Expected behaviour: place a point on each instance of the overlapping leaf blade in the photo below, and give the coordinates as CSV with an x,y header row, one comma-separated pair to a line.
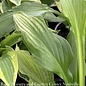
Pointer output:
x,y
6,24
33,8
28,66
51,51
6,20
72,41
14,61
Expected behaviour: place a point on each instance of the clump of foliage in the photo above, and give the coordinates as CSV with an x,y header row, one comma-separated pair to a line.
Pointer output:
x,y
28,47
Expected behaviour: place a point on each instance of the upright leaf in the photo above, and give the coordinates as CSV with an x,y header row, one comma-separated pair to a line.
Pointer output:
x,y
51,51
28,66
75,11
85,69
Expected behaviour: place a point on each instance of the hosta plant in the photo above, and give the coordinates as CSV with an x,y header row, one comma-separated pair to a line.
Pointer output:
x,y
29,47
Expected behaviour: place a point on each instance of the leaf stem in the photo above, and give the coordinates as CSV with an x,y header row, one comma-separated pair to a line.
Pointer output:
x,y
81,58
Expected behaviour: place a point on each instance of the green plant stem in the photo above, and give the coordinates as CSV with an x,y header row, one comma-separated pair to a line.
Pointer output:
x,y
81,58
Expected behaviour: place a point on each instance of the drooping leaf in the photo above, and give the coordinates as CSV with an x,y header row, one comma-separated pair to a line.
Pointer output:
x,y
29,67
16,2
10,40
33,8
51,51
52,18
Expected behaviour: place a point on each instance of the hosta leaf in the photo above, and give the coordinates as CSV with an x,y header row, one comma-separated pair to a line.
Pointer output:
x,y
23,76
6,20
10,40
5,6
28,66
75,11
6,73
6,24
33,8
52,18
14,61
72,41
49,2
16,2
51,51
8,68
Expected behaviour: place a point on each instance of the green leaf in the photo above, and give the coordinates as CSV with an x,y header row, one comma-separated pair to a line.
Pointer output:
x,y
16,2
85,69
49,2
31,0
73,68
14,61
85,47
6,70
6,20
28,66
35,8
6,24
10,40
51,51
24,76
52,18
5,6
74,10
